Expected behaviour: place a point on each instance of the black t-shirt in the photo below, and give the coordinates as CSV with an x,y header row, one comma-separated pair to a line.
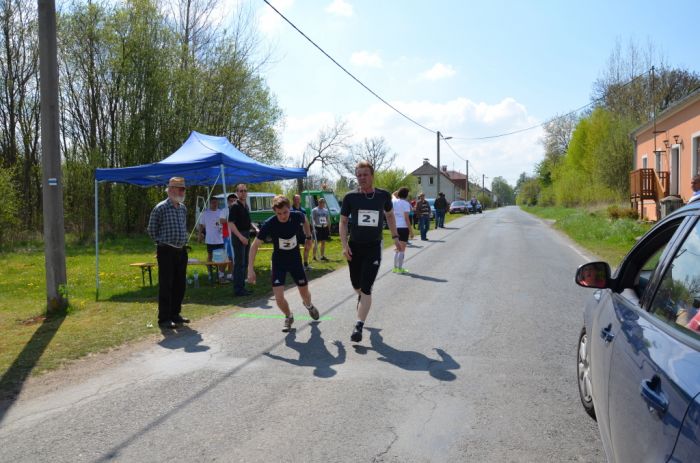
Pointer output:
x,y
367,214
240,216
301,236
284,235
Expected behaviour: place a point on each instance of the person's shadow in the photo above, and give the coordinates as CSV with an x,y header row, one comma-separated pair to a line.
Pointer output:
x,y
410,360
184,338
313,353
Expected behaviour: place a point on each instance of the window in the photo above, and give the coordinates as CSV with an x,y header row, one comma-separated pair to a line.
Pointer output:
x,y
419,180
678,298
644,161
658,161
431,180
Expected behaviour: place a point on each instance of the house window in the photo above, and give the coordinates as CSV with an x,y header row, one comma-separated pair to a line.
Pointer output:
x,y
696,155
419,179
658,161
644,161
431,180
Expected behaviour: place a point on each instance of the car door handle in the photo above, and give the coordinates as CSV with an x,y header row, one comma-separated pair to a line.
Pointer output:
x,y
653,396
606,334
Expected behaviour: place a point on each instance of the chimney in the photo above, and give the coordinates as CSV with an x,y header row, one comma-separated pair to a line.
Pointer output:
x,y
425,161
444,168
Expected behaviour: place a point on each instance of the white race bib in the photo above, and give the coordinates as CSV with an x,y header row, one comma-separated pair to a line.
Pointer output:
x,y
288,244
367,218
322,220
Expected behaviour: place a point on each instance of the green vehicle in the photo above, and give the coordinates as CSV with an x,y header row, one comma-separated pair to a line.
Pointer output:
x,y
309,200
260,205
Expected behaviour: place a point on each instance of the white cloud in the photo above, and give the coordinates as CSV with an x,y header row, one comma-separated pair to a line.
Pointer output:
x,y
269,21
439,71
366,59
459,118
340,8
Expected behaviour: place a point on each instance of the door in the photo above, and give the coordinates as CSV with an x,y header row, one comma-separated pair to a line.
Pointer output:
x,y
656,358
675,170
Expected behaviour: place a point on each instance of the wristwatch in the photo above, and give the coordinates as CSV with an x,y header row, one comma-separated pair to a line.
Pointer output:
x,y
395,237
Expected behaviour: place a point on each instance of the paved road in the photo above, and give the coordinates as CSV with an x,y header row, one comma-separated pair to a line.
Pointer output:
x,y
471,357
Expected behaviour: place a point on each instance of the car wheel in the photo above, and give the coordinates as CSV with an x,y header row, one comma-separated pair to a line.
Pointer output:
x,y
583,368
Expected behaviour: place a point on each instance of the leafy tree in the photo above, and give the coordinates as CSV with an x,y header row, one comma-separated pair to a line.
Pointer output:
x,y
393,179
529,192
503,191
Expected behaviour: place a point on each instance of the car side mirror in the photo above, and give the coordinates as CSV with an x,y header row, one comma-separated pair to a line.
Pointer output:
x,y
593,275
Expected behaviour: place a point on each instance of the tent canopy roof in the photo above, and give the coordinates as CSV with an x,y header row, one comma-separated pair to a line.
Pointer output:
x,y
199,161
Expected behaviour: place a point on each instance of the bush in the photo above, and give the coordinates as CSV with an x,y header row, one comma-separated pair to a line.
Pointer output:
x,y
616,212
9,206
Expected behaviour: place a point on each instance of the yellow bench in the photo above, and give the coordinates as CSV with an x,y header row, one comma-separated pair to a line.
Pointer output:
x,y
145,267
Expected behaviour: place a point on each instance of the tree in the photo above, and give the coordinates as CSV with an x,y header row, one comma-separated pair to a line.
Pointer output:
x,y
503,191
328,148
393,179
374,150
529,192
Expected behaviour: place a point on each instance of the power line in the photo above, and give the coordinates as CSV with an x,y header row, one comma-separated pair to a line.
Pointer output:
x,y
348,72
551,119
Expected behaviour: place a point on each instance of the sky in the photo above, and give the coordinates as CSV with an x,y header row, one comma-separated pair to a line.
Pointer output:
x,y
467,69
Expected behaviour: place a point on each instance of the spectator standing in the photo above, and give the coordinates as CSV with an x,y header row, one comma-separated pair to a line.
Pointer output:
x,y
230,201
210,229
296,206
321,218
695,185
239,225
283,228
440,210
423,213
402,209
167,226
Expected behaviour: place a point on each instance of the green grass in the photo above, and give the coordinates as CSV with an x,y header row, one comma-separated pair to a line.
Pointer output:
x,y
609,239
126,310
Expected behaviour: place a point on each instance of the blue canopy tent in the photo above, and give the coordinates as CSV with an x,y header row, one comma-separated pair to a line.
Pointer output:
x,y
201,160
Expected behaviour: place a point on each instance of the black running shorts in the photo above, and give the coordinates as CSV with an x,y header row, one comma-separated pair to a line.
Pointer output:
x,y
364,266
403,234
279,270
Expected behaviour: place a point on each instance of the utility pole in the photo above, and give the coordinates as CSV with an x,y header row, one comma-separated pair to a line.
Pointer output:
x,y
438,165
52,186
466,190
483,176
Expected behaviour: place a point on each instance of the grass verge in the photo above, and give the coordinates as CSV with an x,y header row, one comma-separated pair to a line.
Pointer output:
x,y
609,239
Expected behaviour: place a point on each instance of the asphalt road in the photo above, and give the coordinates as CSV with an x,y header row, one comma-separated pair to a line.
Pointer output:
x,y
471,357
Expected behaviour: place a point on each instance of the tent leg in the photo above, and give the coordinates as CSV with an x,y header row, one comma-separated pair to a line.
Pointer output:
x,y
230,237
97,246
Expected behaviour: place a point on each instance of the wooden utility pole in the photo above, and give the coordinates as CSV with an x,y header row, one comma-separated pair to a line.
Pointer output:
x,y
52,185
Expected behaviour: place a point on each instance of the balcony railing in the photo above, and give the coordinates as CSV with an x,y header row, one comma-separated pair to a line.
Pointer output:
x,y
648,184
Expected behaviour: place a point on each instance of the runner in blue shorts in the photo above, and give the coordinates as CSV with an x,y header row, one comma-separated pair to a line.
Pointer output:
x,y
282,228
361,237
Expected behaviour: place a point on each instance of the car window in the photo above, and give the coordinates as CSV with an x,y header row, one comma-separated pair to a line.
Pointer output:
x,y
678,298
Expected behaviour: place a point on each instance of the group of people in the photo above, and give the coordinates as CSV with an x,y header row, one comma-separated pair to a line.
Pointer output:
x,y
362,216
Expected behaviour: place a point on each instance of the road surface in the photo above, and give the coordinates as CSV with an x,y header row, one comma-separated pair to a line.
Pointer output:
x,y
470,357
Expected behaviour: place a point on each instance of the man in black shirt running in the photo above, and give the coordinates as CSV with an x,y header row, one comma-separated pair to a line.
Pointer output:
x,y
367,206
283,228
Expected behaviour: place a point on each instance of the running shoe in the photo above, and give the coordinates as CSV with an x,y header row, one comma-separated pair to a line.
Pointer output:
x,y
313,312
356,335
403,270
287,324
396,270
324,258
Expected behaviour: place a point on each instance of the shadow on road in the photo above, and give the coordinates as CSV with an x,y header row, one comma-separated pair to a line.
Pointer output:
x,y
184,338
13,379
411,360
425,277
313,353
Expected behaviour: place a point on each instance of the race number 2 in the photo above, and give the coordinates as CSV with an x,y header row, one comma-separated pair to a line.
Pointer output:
x,y
368,218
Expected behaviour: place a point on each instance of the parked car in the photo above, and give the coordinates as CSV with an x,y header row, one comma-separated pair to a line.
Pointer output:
x,y
431,201
639,347
474,207
458,207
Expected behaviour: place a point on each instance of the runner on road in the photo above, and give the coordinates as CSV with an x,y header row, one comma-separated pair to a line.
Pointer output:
x,y
362,210
402,209
283,228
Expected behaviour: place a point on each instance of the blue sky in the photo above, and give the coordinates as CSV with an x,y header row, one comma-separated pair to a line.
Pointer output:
x,y
466,69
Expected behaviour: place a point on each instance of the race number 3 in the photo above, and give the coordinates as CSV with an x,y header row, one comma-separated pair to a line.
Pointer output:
x,y
368,218
287,244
